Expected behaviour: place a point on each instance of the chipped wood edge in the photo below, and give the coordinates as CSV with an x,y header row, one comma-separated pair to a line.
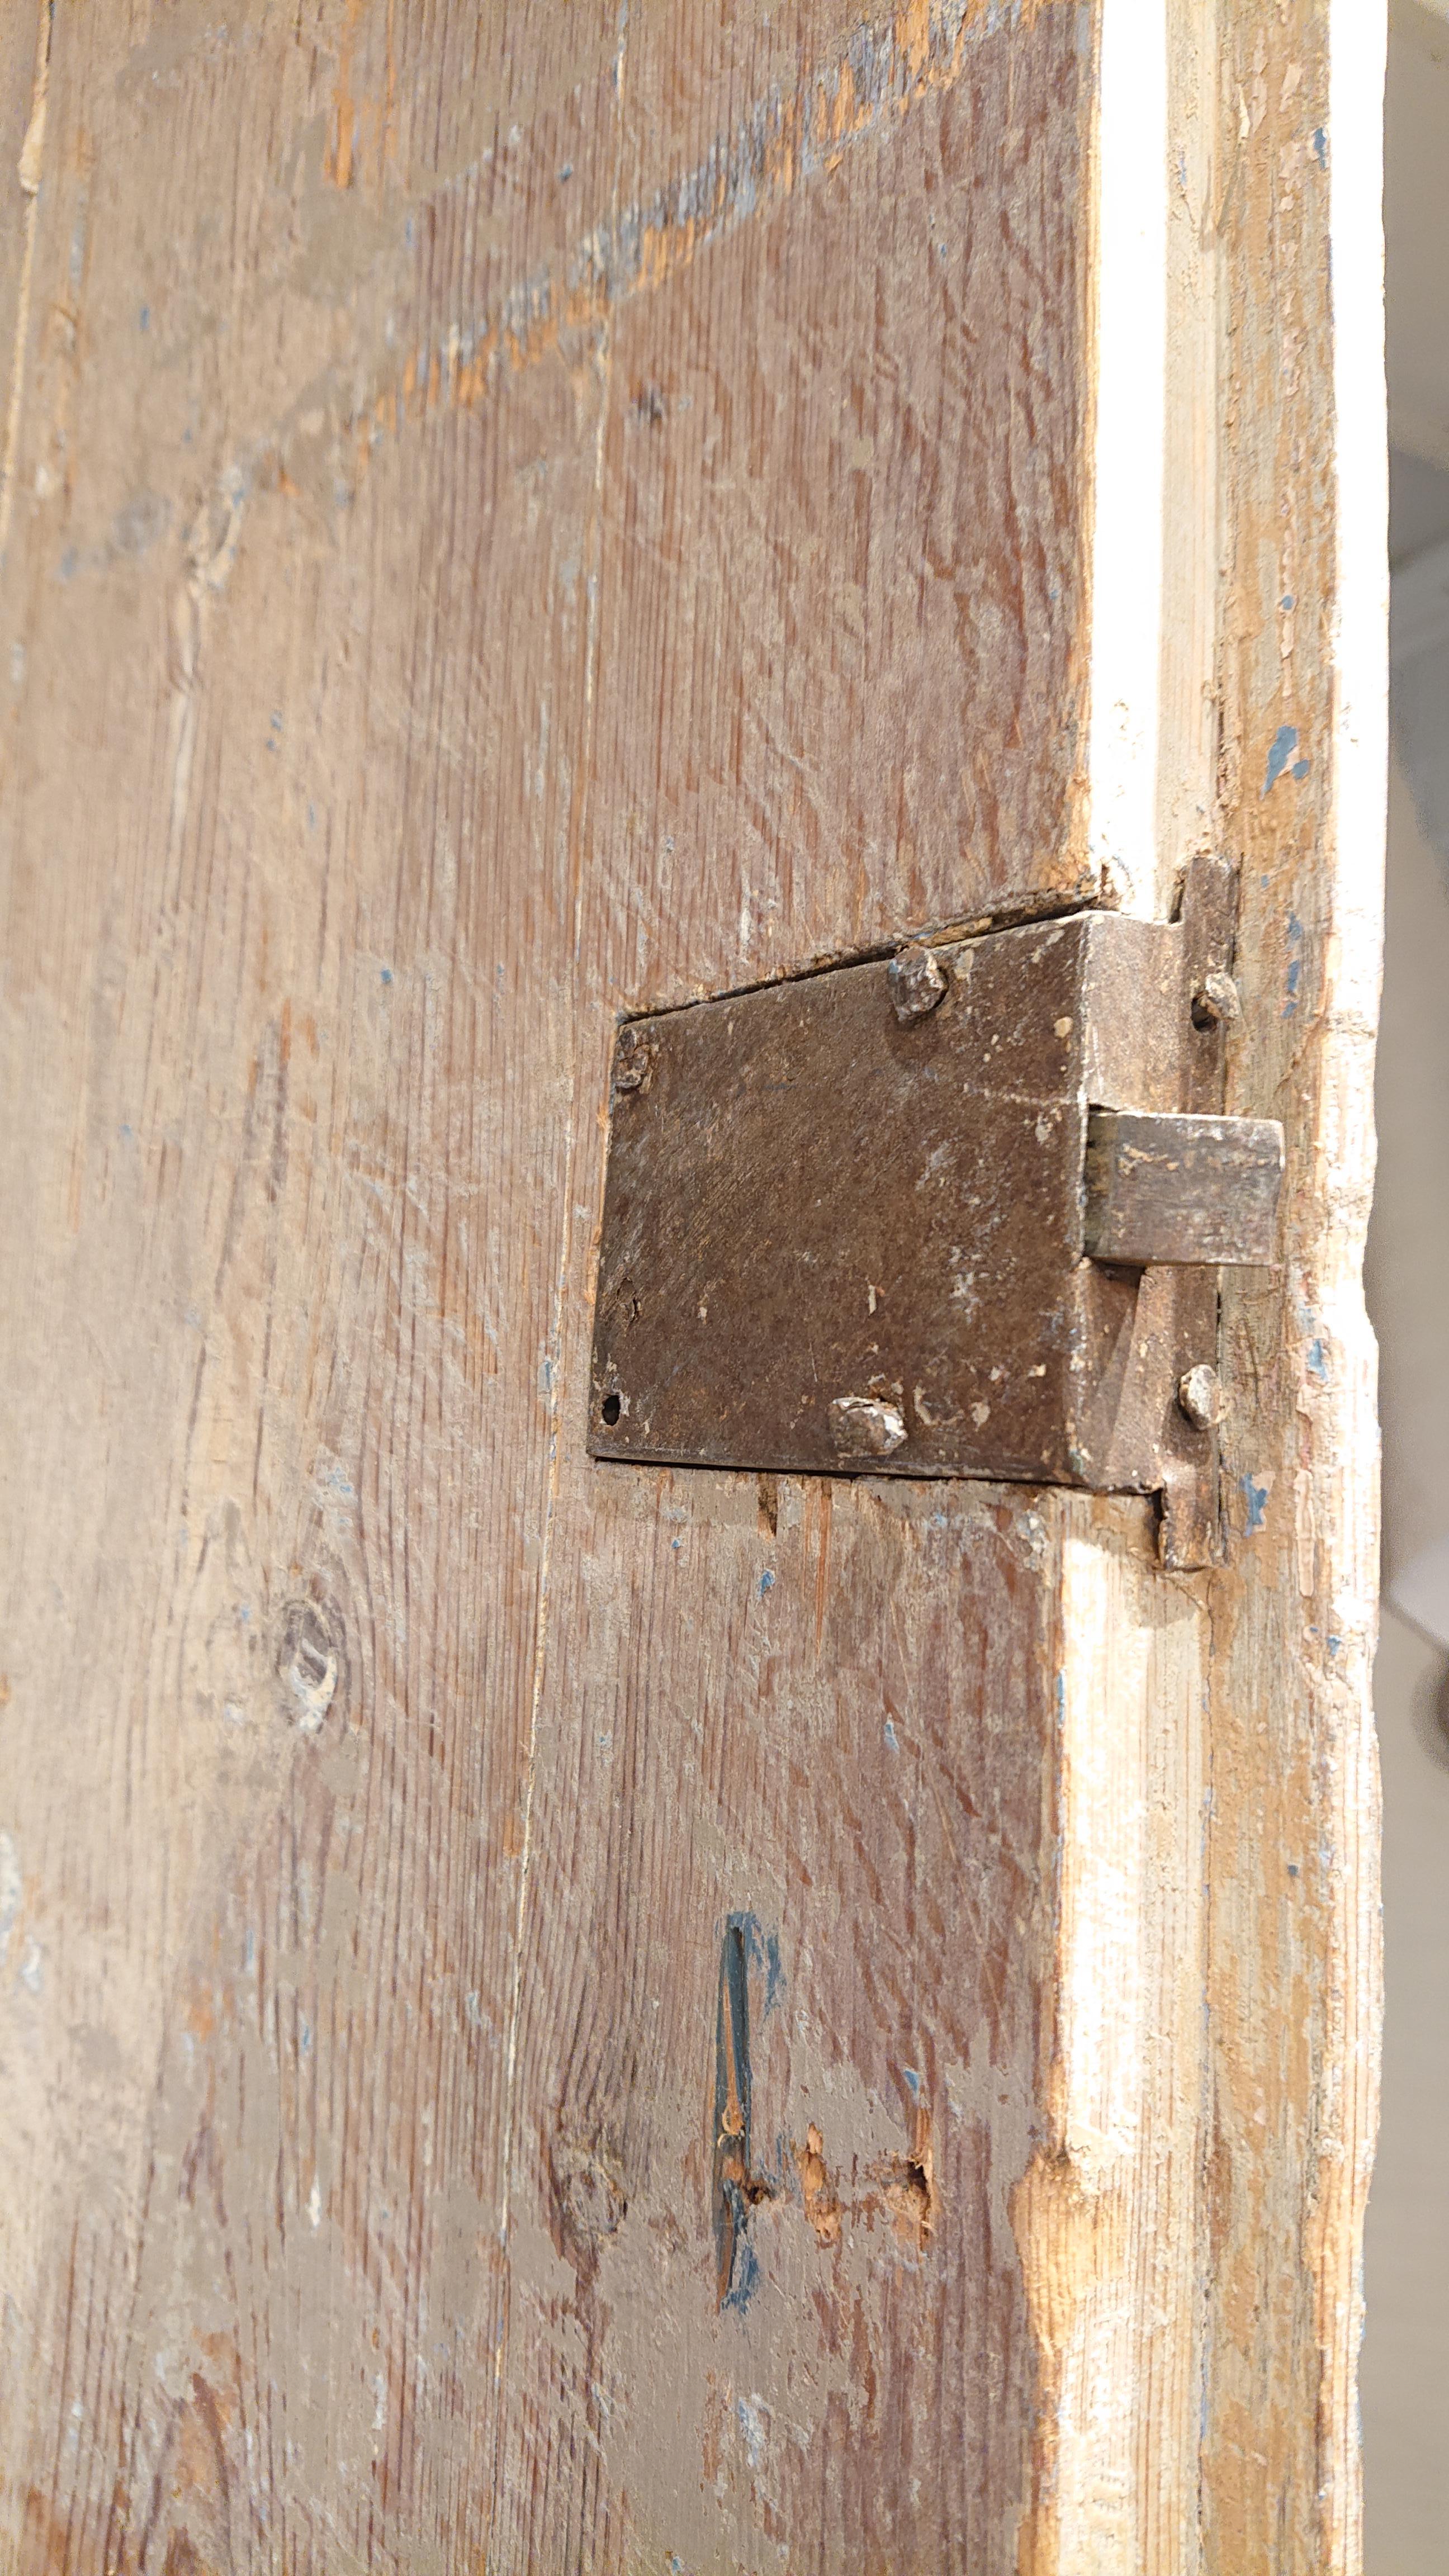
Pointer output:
x,y
1293,1954
1175,2430
1106,2215
1344,1465
1128,338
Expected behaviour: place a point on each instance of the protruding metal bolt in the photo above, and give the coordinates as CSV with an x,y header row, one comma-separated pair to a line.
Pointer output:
x,y
864,1426
917,981
1200,1394
1216,1003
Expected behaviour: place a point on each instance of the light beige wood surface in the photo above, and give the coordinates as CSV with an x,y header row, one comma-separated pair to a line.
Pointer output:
x,y
509,517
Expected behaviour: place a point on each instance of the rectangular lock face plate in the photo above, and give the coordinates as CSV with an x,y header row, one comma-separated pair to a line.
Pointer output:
x,y
837,1239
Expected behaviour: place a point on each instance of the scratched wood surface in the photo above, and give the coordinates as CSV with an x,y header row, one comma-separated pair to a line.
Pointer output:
x,y
504,518
553,2018
1293,1968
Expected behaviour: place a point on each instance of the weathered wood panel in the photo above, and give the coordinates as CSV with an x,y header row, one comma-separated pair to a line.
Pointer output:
x,y
828,1723
453,462
1292,1854
794,1739
523,2039
846,469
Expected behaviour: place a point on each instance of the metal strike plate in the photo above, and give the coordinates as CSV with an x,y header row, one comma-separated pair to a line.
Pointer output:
x,y
850,1220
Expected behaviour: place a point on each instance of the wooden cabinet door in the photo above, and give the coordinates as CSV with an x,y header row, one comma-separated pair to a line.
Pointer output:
x,y
574,2017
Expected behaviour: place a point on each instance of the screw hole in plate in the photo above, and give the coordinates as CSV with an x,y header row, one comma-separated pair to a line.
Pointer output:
x,y
611,1408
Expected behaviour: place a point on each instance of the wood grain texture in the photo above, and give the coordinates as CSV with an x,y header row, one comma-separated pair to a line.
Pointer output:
x,y
492,503
819,1715
556,2016
1292,1856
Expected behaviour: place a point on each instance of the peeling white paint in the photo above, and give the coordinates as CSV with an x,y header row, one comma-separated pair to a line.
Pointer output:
x,y
1131,266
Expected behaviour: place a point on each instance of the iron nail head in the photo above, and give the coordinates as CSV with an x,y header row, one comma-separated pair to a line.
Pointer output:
x,y
863,1426
917,981
1200,1394
1216,1002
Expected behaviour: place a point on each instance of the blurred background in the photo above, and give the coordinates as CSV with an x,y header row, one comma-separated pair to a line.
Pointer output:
x,y
1406,2351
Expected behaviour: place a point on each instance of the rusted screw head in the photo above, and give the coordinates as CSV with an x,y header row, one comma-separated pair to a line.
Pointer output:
x,y
1216,1003
633,1056
864,1426
917,982
1200,1394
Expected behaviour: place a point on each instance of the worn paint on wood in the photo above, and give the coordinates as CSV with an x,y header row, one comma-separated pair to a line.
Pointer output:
x,y
1292,1855
508,519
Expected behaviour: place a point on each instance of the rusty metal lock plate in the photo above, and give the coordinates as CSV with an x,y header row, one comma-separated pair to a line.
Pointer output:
x,y
846,1217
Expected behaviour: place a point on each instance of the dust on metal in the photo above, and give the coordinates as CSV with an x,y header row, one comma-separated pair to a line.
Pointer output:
x,y
1182,1189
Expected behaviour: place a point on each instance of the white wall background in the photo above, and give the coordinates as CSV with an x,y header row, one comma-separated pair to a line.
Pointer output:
x,y
1405,2380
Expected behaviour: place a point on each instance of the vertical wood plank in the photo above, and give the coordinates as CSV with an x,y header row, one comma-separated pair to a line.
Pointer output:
x,y
1292,1855
362,667
794,1737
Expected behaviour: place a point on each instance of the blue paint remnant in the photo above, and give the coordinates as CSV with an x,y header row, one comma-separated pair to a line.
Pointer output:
x,y
1295,965
145,317
387,974
1317,1364
565,174
767,1580
545,1374
68,563
1285,743
1257,1504
1335,1645
914,2082
746,2278
1293,1869
891,1737
1300,769
1061,1696
1288,603
1320,147
676,1542
127,1132
762,1951
752,2425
